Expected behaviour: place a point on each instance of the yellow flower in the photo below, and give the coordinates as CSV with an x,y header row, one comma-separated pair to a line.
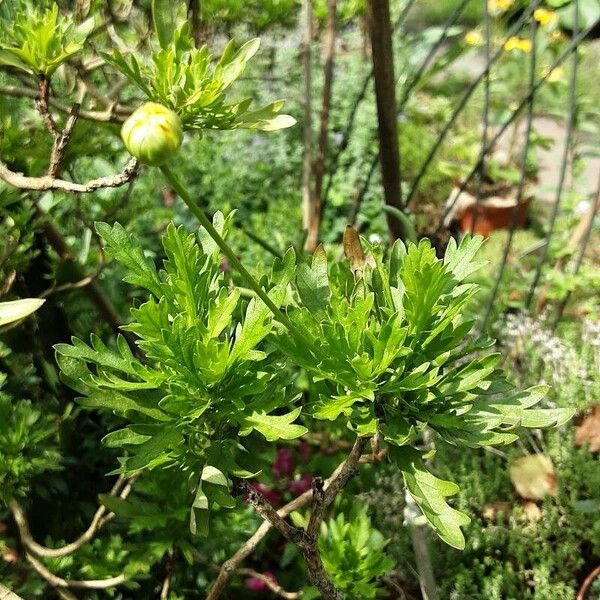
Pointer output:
x,y
153,133
473,38
500,6
517,43
545,17
557,74
557,37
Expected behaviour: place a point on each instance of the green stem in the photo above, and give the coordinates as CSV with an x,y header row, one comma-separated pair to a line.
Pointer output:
x,y
225,248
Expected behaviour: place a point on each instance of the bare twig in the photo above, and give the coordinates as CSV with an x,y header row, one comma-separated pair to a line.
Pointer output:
x,y
59,582
264,508
41,103
47,182
60,142
6,594
122,488
307,130
316,207
114,113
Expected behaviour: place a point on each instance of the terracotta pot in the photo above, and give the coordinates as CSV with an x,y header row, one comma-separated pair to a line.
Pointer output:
x,y
490,216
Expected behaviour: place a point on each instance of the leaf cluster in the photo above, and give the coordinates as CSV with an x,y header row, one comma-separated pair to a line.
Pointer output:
x,y
27,445
206,383
187,80
386,343
352,551
38,40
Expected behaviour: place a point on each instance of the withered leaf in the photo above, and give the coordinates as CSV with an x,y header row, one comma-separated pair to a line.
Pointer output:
x,y
589,430
533,477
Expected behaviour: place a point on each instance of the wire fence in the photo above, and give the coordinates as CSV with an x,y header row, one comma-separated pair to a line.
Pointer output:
x,y
490,138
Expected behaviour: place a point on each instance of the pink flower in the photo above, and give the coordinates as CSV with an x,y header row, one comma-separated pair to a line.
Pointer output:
x,y
299,486
258,585
304,450
268,492
283,465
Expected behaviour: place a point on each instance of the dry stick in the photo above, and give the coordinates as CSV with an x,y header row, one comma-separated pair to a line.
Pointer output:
x,y
354,110
317,202
59,582
113,113
47,182
362,189
6,594
230,566
522,178
307,541
464,100
572,46
41,103
60,143
306,22
122,488
485,116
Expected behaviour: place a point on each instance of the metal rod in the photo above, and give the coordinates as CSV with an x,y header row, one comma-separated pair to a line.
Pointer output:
x,y
523,177
486,113
564,162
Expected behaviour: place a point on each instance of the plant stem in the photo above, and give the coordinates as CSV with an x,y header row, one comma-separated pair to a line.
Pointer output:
x,y
226,249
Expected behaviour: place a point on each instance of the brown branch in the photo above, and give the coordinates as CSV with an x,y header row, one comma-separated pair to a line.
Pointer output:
x,y
341,475
587,584
61,141
264,508
47,182
307,129
322,498
122,488
378,16
41,103
316,206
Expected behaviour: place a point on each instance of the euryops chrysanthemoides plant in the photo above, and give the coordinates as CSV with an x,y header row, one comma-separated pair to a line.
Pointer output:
x,y
382,337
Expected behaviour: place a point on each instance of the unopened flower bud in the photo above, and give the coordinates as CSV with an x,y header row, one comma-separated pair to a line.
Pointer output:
x,y
152,134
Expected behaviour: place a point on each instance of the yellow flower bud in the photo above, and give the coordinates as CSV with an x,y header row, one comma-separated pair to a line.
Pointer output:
x,y
545,17
517,43
152,134
473,38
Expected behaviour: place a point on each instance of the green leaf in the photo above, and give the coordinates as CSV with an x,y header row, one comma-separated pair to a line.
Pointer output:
x,y
163,17
16,310
429,493
120,245
122,404
515,410
274,427
166,439
460,260
313,282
